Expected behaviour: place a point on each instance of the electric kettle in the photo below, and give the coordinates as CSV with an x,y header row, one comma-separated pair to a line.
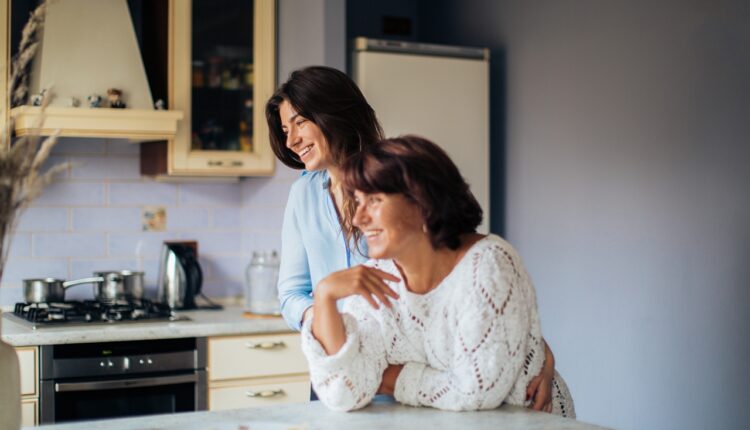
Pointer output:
x,y
180,276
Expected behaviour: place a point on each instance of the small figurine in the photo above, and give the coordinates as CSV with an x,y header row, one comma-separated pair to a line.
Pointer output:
x,y
72,102
115,98
160,105
38,99
95,100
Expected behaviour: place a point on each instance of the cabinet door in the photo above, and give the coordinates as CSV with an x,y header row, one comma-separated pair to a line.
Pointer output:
x,y
222,71
250,356
29,412
264,392
27,359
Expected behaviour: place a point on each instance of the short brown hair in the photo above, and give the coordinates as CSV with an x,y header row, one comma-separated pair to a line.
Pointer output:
x,y
422,172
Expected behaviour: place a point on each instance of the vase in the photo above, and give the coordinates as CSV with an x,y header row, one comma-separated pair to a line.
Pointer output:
x,y
10,386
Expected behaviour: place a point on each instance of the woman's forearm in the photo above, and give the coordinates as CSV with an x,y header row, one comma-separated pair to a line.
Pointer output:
x,y
328,325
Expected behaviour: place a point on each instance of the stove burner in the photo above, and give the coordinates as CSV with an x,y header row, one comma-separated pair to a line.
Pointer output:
x,y
91,311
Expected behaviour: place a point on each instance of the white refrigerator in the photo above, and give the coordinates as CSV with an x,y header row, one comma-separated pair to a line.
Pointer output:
x,y
435,91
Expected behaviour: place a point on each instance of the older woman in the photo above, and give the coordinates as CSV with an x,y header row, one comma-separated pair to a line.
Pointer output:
x,y
441,316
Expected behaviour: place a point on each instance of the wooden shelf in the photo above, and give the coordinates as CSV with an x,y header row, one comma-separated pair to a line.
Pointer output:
x,y
132,124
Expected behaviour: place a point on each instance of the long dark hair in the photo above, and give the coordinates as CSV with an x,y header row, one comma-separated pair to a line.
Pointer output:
x,y
422,172
332,101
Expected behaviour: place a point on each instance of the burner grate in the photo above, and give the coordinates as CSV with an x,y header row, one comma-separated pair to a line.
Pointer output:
x,y
91,311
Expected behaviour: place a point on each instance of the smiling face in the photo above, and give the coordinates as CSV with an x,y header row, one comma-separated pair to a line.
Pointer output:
x,y
391,224
304,138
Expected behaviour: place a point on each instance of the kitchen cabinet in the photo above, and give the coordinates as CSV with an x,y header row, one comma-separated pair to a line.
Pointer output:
x,y
221,71
141,124
28,358
256,370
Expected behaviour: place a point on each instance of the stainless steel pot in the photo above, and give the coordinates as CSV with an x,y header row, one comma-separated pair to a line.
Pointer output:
x,y
118,285
47,290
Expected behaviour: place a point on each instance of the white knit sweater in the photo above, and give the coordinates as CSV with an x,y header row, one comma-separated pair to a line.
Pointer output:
x,y
471,343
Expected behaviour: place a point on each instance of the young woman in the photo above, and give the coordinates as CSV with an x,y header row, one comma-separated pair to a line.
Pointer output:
x,y
317,119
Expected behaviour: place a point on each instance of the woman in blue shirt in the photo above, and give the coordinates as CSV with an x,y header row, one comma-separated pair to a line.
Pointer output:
x,y
317,119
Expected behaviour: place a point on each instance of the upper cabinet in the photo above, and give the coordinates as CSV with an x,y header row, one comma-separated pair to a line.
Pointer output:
x,y
85,48
221,71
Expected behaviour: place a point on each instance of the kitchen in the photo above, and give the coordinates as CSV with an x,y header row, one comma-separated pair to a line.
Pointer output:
x,y
97,210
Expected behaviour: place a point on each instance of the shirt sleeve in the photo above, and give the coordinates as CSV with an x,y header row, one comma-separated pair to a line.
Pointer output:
x,y
295,283
488,353
350,378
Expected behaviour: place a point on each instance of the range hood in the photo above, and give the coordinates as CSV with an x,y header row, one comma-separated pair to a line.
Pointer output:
x,y
87,47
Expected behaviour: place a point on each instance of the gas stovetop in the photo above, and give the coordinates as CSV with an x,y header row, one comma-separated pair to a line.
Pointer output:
x,y
87,312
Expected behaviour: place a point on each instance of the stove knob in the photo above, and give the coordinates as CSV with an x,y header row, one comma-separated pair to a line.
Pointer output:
x,y
110,363
101,363
140,361
148,360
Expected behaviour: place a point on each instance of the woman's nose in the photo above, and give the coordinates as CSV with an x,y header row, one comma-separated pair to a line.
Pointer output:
x,y
291,139
360,217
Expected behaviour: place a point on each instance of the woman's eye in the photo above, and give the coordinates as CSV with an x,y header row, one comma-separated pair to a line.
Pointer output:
x,y
300,122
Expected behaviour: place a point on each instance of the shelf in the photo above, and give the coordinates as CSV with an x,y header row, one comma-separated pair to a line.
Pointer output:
x,y
132,124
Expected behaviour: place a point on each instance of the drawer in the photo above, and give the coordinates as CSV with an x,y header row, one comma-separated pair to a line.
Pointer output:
x,y
29,410
251,356
264,392
28,361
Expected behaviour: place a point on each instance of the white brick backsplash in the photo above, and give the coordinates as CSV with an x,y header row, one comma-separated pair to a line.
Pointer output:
x,y
74,145
18,269
142,193
20,245
107,219
140,245
216,243
68,193
210,195
90,219
262,219
122,147
265,191
105,168
226,217
181,218
43,219
68,244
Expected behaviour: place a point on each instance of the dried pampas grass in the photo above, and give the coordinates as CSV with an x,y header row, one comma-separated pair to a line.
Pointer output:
x,y
22,158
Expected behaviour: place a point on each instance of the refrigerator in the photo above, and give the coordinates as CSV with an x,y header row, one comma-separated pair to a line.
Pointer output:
x,y
436,91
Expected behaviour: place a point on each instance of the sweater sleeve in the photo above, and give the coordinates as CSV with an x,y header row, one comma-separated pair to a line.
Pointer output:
x,y
295,284
488,352
350,378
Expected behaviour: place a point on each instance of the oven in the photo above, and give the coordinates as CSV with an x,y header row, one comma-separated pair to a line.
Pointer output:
x,y
122,379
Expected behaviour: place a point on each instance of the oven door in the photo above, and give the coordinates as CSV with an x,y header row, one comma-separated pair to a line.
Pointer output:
x,y
75,400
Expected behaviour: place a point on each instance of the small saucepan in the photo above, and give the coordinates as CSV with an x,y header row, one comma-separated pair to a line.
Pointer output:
x,y
48,290
118,285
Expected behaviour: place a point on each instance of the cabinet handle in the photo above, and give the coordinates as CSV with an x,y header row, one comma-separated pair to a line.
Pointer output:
x,y
219,163
265,394
266,345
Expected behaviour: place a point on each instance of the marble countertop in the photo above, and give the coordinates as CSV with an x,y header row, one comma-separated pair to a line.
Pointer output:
x,y
202,323
381,414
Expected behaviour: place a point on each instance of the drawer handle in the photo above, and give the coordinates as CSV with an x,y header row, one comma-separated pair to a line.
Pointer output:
x,y
266,345
265,394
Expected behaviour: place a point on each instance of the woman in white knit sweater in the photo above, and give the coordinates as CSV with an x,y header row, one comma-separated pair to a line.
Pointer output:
x,y
442,316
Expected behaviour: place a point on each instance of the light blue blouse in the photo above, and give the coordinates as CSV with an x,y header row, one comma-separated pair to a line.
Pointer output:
x,y
312,245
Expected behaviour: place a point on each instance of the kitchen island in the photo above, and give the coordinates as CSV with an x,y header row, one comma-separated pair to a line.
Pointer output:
x,y
381,414
199,323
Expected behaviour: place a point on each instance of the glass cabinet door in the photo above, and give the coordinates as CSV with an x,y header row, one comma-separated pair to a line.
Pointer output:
x,y
223,72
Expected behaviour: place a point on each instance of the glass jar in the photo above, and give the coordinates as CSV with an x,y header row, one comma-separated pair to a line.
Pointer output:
x,y
261,277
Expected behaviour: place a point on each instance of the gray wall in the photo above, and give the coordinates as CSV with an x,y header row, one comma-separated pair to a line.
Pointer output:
x,y
628,194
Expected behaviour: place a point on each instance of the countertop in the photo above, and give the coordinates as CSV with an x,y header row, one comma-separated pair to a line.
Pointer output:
x,y
202,323
381,414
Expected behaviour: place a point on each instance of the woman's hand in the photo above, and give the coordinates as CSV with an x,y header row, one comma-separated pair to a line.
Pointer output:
x,y
390,375
327,324
367,282
540,387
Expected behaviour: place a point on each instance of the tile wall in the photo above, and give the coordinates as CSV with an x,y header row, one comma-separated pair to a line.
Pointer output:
x,y
90,219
